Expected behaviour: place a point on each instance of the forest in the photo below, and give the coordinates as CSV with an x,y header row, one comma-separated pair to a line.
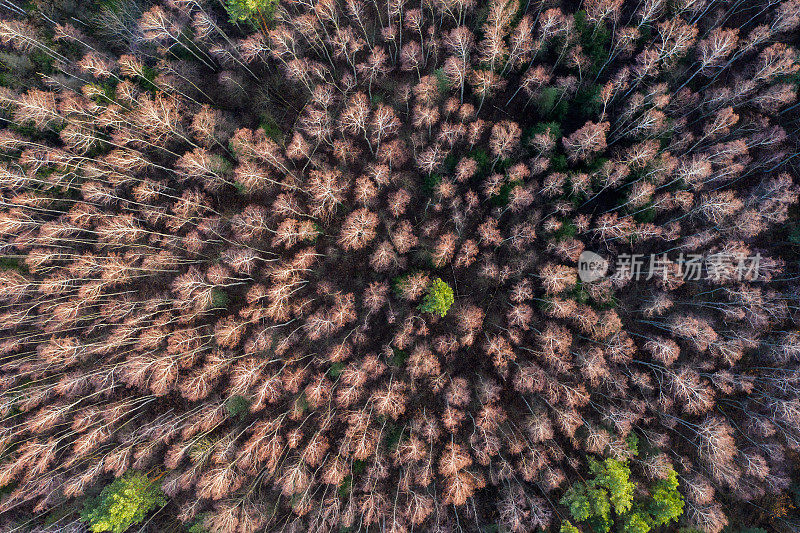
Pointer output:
x,y
296,266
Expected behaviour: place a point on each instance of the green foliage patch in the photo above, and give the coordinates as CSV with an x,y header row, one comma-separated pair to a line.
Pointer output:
x,y
551,104
595,40
198,526
271,128
335,370
219,299
12,263
442,82
430,182
587,101
567,231
399,357
608,498
558,163
256,11
438,299
123,503
237,406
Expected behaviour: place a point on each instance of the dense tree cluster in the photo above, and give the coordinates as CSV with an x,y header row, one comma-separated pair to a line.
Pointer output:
x,y
123,503
311,265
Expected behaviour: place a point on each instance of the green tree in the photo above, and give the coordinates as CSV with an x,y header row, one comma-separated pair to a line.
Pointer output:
x,y
124,502
438,299
610,488
257,11
198,526
614,476
589,504
237,406
577,501
219,298
666,503
551,103
635,523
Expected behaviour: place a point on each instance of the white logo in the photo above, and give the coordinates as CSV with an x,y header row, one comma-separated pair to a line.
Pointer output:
x,y
591,266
